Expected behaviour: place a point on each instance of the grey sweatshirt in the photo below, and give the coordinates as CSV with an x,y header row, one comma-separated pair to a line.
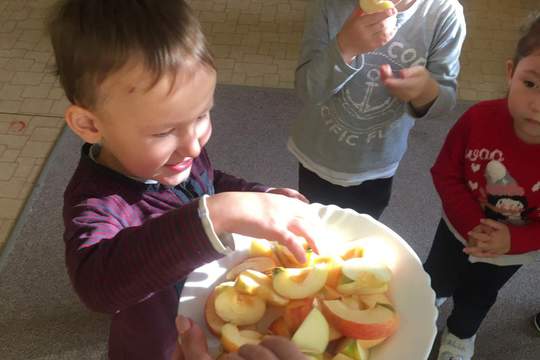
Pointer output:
x,y
351,129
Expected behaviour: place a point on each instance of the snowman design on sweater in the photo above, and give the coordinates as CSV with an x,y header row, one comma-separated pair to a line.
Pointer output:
x,y
505,199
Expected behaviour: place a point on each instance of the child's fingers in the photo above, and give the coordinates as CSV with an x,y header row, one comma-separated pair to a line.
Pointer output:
x,y
479,236
193,339
478,252
386,72
311,231
282,347
256,352
292,242
492,223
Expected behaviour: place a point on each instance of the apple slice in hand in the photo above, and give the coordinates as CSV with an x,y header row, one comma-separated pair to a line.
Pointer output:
x,y
313,334
378,322
232,338
237,308
299,283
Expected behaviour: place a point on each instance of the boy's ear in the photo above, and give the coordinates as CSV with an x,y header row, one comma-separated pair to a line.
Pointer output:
x,y
83,123
509,71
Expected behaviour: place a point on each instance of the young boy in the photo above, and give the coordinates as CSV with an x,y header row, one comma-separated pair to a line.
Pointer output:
x,y
144,206
364,80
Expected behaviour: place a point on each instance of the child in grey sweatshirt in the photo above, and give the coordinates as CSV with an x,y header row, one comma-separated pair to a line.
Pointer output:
x,y
364,79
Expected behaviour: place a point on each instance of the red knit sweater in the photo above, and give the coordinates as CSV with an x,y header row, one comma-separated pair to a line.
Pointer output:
x,y
485,170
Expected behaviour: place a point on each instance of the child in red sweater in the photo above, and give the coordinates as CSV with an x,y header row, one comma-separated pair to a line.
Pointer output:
x,y
487,175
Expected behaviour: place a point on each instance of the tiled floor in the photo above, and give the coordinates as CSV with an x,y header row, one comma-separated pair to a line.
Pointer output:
x,y
255,43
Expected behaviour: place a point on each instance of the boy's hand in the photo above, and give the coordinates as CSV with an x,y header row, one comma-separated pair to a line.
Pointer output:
x,y
363,33
415,85
266,216
289,193
192,346
489,242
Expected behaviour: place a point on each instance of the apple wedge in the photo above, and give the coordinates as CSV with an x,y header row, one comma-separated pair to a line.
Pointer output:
x,y
262,264
352,348
213,321
279,327
373,6
299,283
373,299
287,259
232,338
354,268
333,263
366,283
295,313
313,334
237,308
375,323
252,282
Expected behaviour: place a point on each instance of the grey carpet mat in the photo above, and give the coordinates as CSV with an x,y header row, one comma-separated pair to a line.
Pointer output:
x,y
41,318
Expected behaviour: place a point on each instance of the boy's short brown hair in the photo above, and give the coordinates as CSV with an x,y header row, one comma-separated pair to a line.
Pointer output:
x,y
92,39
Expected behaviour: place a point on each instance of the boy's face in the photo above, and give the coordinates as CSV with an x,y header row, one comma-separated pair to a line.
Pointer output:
x,y
155,133
524,97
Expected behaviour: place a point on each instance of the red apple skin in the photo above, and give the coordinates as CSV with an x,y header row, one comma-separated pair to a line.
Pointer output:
x,y
362,331
296,311
279,327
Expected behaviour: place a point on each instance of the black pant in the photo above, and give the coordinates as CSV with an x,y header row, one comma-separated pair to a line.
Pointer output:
x,y
474,286
370,197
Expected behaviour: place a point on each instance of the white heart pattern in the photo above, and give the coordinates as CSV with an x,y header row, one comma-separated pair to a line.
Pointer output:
x,y
475,167
536,187
473,185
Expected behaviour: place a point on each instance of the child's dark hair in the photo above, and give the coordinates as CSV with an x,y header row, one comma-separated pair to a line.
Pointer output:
x,y
530,40
93,38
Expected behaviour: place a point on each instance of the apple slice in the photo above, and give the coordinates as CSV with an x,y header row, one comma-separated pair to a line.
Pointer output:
x,y
365,283
341,356
368,344
300,283
378,322
352,348
295,313
371,300
237,308
355,267
313,334
232,338
252,282
372,6
279,327
261,247
213,321
288,260
333,264
262,264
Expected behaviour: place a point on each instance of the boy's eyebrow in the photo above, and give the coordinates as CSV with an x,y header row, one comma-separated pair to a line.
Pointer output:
x,y
532,72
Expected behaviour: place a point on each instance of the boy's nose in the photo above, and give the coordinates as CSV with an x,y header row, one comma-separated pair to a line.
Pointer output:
x,y
189,147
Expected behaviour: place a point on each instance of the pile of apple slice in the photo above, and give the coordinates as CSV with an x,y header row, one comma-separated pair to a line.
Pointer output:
x,y
332,307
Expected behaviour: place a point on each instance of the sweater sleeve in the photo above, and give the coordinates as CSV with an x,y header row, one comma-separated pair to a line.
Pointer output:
x,y
321,71
112,266
226,182
525,238
460,205
443,60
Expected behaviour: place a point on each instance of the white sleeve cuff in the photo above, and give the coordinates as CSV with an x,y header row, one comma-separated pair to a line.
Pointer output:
x,y
223,244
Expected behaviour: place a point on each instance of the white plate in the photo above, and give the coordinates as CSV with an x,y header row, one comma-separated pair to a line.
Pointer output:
x,y
409,289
